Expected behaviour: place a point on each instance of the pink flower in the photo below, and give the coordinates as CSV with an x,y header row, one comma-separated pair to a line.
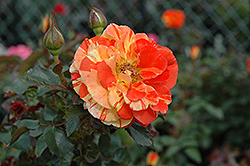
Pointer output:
x,y
154,37
20,50
60,8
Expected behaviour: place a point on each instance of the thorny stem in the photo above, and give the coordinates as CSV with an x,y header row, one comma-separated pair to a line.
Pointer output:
x,y
61,74
60,124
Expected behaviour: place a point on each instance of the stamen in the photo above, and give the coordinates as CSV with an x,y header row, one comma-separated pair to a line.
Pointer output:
x,y
129,70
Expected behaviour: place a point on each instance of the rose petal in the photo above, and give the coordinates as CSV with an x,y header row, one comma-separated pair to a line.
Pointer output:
x,y
151,62
145,117
167,53
124,43
101,112
136,91
121,123
160,78
171,82
83,91
87,64
80,54
99,40
99,94
112,32
172,67
141,36
149,73
125,112
142,43
163,92
162,106
139,105
152,96
115,97
105,75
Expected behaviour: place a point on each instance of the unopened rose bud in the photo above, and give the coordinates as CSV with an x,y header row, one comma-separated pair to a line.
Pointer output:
x,y
97,20
53,39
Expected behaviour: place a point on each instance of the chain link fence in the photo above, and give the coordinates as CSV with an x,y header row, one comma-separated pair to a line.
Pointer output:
x,y
206,20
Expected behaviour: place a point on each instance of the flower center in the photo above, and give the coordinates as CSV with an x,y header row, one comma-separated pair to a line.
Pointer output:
x,y
129,70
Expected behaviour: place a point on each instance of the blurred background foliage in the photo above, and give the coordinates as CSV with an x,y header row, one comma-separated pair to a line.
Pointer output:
x,y
208,122
204,19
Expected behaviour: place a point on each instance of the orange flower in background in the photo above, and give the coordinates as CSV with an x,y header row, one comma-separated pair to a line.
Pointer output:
x,y
248,65
152,158
60,8
44,25
173,18
194,52
123,77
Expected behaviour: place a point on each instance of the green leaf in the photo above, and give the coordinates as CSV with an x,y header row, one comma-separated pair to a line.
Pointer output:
x,y
214,111
105,146
194,154
111,163
172,150
30,124
74,112
124,137
72,125
77,158
37,132
19,86
43,89
43,121
56,161
40,146
92,155
49,113
140,134
43,75
59,144
5,137
20,131
167,140
122,155
188,142
23,143
45,157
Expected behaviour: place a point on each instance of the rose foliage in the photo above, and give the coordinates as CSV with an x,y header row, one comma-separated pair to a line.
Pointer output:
x,y
73,111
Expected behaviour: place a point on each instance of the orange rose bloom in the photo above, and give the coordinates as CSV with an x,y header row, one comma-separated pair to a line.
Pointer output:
x,y
123,77
152,158
173,18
